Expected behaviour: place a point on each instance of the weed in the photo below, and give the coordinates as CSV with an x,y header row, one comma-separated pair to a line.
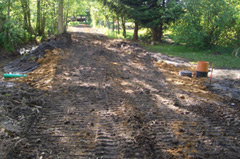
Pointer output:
x,y
8,95
32,58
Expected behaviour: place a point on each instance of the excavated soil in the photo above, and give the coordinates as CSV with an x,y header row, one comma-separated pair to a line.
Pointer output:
x,y
112,99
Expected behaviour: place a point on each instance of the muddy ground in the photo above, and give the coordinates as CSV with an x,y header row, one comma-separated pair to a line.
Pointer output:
x,y
112,99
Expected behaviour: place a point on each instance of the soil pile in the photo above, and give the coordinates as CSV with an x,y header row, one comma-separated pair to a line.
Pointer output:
x,y
42,77
20,104
29,62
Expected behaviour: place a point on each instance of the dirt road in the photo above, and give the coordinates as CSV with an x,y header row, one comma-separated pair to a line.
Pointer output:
x,y
109,102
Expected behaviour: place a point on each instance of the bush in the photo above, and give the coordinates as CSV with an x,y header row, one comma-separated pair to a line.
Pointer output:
x,y
206,24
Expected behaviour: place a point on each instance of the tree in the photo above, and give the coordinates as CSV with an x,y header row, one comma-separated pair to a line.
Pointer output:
x,y
135,34
41,17
8,19
27,15
153,14
115,7
60,17
124,26
25,20
207,23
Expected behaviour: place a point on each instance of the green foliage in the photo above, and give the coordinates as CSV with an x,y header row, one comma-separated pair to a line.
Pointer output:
x,y
25,20
100,13
153,14
207,23
114,35
11,31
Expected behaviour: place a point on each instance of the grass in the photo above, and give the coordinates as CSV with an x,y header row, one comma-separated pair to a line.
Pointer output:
x,y
115,35
224,60
76,23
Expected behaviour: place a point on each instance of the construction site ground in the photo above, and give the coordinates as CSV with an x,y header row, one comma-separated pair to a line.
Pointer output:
x,y
108,98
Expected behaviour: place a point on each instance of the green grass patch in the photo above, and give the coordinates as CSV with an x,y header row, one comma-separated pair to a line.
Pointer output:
x,y
224,60
114,35
76,23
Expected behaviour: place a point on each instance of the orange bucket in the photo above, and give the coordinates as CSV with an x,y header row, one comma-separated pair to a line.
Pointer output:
x,y
202,66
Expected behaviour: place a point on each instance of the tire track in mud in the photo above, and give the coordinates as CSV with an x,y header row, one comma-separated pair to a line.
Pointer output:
x,y
107,103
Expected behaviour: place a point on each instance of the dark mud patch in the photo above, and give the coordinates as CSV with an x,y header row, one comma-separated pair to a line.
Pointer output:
x,y
20,107
6,57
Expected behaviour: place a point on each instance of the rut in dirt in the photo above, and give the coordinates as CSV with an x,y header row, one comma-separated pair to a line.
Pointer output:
x,y
109,103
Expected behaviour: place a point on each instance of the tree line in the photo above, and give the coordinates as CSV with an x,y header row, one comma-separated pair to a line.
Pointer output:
x,y
23,21
197,23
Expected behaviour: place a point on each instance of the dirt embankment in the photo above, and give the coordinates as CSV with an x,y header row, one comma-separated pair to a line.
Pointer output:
x,y
20,104
113,99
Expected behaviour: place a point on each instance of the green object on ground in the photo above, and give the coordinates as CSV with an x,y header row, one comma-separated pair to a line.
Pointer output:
x,y
14,75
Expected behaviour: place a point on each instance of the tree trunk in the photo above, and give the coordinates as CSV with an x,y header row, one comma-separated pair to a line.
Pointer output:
x,y
113,27
124,27
29,18
60,17
155,34
38,24
135,35
160,32
8,19
118,25
55,22
43,22
26,14
65,21
1,24
66,17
